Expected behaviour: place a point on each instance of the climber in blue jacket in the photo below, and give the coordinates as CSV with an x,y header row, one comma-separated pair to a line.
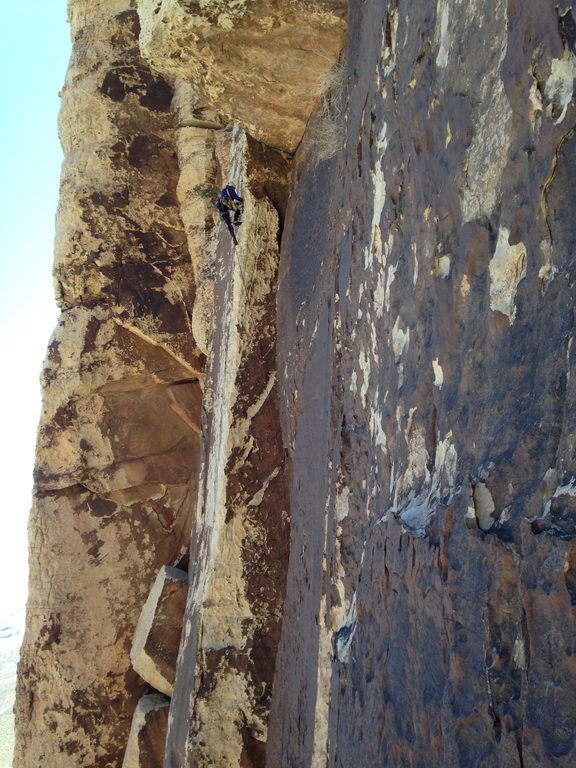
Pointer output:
x,y
230,199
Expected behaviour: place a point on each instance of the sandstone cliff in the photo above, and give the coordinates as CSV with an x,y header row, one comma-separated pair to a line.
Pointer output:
x,y
354,430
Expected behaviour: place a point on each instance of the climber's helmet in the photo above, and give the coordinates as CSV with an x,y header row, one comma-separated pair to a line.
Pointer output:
x,y
231,184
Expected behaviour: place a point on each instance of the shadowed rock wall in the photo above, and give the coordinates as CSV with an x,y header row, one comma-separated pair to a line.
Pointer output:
x,y
426,324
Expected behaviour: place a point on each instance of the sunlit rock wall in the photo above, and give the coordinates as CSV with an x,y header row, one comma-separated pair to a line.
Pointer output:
x,y
262,62
426,323
119,437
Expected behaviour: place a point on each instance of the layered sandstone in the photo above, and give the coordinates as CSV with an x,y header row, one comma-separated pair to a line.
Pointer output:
x,y
119,437
260,62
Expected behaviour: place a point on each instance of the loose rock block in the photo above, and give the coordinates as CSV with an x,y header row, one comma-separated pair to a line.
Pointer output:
x,y
145,747
157,636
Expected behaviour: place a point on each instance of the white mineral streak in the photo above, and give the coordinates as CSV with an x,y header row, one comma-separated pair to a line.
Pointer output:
x,y
559,86
331,637
519,653
443,15
415,254
445,465
507,268
379,192
568,489
417,491
487,155
384,276
400,339
377,432
438,374
364,362
484,506
535,104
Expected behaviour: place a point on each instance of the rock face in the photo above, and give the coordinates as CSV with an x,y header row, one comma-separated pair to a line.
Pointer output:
x,y
119,437
362,416
263,62
426,324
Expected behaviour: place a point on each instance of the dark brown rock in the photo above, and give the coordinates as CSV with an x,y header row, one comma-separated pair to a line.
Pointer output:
x,y
426,325
148,733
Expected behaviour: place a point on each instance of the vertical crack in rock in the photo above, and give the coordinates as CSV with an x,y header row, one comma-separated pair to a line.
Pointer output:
x,y
233,616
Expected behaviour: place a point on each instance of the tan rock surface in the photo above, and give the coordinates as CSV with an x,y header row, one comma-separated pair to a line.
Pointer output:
x,y
262,62
157,635
119,435
204,162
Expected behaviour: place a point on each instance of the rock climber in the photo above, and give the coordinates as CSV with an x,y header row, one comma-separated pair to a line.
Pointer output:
x,y
228,201
232,201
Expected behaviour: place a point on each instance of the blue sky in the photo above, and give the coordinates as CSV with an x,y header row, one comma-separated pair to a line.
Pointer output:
x,y
33,59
